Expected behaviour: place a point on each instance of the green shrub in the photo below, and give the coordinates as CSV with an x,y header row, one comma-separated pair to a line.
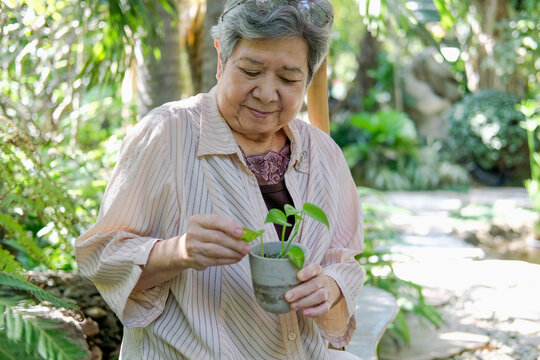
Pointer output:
x,y
484,130
384,152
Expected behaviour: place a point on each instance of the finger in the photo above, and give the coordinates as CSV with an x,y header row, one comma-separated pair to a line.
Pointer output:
x,y
316,311
224,240
305,289
310,271
214,250
221,223
313,299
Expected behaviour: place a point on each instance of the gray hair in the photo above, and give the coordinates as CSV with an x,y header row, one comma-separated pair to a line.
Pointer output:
x,y
245,20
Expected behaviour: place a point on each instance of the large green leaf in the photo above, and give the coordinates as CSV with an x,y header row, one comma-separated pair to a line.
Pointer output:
x,y
296,255
316,213
277,216
250,235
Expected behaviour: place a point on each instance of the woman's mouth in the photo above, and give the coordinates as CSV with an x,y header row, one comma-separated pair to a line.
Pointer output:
x,y
259,114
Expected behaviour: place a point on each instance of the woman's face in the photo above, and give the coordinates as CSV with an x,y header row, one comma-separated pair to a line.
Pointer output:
x,y
261,88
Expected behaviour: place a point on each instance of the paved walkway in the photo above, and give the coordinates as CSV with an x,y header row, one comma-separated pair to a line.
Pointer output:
x,y
491,306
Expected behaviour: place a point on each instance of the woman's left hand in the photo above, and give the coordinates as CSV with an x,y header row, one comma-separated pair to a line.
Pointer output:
x,y
316,294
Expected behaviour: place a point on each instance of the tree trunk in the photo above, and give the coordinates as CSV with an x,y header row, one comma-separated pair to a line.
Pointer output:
x,y
367,60
159,76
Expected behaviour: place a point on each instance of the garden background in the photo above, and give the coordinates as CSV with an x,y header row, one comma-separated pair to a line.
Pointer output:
x,y
424,96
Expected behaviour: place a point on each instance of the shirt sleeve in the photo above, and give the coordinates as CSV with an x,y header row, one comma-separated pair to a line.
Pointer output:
x,y
137,210
347,241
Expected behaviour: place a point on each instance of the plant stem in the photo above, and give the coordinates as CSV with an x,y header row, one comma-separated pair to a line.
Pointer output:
x,y
296,227
262,248
283,238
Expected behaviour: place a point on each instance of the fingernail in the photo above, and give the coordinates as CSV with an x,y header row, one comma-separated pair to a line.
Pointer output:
x,y
238,232
247,248
289,297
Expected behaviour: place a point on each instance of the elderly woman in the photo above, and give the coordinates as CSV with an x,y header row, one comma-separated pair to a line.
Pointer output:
x,y
165,252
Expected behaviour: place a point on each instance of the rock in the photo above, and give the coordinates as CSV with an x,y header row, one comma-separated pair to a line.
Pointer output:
x,y
96,312
96,353
471,238
429,343
69,326
437,297
430,84
105,332
89,327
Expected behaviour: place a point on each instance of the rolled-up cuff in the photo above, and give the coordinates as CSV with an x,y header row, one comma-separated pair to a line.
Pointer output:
x,y
134,308
336,326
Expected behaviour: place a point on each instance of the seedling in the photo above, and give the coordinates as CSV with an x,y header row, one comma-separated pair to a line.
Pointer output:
x,y
276,216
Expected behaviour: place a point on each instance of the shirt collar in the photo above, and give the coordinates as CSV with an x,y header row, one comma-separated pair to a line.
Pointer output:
x,y
212,123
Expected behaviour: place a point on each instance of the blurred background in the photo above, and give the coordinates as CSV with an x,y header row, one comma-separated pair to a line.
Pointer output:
x,y
435,104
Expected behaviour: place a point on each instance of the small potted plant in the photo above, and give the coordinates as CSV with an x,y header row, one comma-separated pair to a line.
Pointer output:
x,y
274,265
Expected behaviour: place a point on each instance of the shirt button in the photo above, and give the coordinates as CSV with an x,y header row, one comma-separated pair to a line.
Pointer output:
x,y
292,336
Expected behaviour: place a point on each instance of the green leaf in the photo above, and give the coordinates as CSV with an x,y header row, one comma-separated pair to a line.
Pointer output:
x,y
46,337
13,351
316,213
291,210
250,235
296,255
9,264
277,216
14,282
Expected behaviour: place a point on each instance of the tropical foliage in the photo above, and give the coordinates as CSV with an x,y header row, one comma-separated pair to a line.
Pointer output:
x,y
385,152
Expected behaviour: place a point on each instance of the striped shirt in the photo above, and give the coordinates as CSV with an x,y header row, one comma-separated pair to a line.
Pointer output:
x,y
180,160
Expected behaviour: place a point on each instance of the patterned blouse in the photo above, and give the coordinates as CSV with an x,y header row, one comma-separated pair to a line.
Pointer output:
x,y
181,160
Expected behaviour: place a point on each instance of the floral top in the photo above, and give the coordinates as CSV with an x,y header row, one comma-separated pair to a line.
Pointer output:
x,y
269,167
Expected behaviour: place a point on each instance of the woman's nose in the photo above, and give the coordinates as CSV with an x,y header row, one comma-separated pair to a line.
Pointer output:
x,y
266,91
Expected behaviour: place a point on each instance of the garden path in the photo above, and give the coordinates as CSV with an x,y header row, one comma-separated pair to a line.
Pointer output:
x,y
491,306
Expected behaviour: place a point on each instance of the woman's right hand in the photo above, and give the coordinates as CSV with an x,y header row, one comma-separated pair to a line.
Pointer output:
x,y
211,240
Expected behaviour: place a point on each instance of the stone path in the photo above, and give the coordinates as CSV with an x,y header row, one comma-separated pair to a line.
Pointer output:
x,y
491,306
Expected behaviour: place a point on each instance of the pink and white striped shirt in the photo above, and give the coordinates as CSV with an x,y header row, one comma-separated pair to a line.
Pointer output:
x,y
180,160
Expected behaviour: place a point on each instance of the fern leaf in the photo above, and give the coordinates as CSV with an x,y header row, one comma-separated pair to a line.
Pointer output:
x,y
13,351
9,264
41,336
28,242
12,281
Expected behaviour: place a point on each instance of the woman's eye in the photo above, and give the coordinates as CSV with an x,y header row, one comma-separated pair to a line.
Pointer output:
x,y
250,73
288,81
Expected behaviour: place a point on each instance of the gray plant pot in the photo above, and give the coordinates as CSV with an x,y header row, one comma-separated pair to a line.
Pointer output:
x,y
272,278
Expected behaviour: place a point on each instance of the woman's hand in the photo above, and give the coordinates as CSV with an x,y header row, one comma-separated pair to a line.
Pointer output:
x,y
317,293
211,240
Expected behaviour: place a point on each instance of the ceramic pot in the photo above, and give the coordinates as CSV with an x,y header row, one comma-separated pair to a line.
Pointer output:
x,y
272,278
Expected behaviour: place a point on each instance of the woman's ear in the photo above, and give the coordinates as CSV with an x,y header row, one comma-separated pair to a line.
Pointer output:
x,y
219,71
